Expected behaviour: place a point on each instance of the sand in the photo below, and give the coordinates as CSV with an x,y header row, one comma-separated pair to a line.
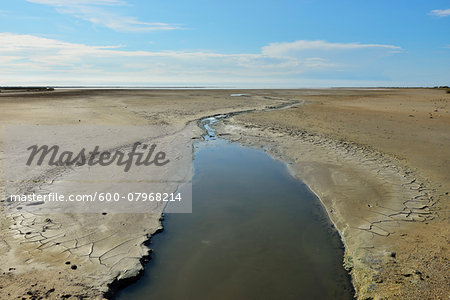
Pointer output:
x,y
378,160
89,255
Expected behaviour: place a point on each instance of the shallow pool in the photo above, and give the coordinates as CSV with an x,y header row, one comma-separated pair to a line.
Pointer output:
x,y
255,233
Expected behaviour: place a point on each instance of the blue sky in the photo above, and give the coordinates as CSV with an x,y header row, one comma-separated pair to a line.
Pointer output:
x,y
303,43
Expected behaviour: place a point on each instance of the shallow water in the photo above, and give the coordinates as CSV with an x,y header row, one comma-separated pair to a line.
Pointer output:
x,y
255,233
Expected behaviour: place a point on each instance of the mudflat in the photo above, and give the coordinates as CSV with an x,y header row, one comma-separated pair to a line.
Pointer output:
x,y
90,255
378,160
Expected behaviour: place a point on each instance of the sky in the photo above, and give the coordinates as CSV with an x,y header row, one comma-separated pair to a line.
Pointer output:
x,y
241,44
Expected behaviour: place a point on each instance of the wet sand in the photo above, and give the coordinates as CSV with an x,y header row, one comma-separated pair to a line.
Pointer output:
x,y
378,160
89,255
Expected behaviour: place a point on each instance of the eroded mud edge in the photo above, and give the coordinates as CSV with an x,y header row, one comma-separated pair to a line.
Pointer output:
x,y
395,198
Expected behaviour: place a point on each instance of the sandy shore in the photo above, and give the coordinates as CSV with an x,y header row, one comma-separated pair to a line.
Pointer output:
x,y
377,159
379,162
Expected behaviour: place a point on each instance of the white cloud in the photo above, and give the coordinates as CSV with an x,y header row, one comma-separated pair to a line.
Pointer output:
x,y
318,63
440,12
290,48
95,12
77,2
40,60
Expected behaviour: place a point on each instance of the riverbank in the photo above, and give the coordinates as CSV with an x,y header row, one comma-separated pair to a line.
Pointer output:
x,y
378,160
72,256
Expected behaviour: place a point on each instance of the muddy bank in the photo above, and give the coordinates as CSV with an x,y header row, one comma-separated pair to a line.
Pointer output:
x,y
391,211
88,255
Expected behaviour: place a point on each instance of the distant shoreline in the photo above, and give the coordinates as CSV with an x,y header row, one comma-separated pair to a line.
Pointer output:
x,y
52,88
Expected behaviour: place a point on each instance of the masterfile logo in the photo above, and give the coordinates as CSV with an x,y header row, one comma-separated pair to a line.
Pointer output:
x,y
55,157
